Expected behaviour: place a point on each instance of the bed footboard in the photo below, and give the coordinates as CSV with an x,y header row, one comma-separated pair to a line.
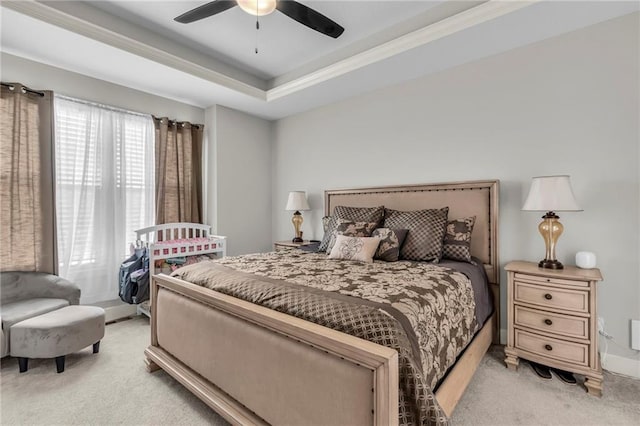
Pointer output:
x,y
253,365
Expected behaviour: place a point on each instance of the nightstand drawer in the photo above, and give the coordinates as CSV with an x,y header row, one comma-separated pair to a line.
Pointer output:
x,y
551,297
565,325
548,347
549,280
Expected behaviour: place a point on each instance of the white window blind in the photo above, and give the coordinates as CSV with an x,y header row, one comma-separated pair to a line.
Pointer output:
x,y
104,191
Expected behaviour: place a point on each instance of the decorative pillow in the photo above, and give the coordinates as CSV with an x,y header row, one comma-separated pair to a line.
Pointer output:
x,y
457,240
360,249
426,232
329,223
351,229
390,242
326,221
354,214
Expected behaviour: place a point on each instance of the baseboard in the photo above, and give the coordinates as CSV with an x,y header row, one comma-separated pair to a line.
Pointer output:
x,y
621,365
116,309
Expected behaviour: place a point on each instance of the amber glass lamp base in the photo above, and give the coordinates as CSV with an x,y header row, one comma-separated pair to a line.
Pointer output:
x,y
297,223
550,229
550,264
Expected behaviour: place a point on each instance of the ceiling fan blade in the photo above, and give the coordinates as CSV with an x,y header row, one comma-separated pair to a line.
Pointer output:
x,y
206,10
309,17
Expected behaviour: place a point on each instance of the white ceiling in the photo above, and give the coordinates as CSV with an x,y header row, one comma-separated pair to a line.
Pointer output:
x,y
137,44
283,43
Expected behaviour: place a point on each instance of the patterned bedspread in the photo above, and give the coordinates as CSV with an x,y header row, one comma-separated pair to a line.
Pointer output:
x,y
424,311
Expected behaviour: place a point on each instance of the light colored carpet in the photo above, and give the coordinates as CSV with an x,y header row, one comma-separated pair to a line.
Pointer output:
x,y
497,396
113,387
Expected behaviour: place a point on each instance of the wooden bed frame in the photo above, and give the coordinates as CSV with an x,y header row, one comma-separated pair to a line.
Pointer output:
x,y
252,365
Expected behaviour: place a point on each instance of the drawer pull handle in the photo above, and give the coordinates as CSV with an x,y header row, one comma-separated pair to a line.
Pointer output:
x,y
548,347
548,296
548,321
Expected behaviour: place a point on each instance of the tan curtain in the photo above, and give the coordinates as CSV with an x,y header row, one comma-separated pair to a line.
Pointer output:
x,y
178,171
27,222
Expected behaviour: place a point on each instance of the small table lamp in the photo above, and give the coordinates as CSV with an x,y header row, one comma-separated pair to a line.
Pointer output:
x,y
297,201
551,194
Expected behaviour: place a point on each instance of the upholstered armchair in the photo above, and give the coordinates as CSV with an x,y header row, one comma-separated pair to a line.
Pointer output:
x,y
24,295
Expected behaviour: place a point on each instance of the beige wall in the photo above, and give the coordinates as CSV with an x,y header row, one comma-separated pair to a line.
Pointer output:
x,y
567,105
239,185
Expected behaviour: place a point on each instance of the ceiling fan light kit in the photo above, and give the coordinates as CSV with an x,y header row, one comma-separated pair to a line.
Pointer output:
x,y
257,7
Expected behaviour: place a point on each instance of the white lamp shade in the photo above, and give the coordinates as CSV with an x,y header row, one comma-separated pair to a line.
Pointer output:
x,y
551,193
297,201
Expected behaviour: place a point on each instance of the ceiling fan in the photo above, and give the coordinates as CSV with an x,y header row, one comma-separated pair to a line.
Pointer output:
x,y
294,10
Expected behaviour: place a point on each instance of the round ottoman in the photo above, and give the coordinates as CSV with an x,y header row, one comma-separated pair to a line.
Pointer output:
x,y
56,334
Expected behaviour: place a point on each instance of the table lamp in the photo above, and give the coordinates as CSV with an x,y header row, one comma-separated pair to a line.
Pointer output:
x,y
297,201
551,194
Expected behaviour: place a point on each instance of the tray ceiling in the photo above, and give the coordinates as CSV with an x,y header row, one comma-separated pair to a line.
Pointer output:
x,y
137,44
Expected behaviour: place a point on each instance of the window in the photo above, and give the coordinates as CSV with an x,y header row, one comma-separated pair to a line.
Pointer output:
x,y
104,191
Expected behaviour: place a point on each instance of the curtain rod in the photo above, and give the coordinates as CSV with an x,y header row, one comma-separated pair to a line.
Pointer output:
x,y
103,106
176,122
25,89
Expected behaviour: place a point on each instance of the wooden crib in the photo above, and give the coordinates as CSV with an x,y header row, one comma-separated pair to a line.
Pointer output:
x,y
181,239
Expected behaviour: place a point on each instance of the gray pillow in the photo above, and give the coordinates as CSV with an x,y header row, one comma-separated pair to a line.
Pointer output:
x,y
457,240
351,229
390,242
354,214
426,232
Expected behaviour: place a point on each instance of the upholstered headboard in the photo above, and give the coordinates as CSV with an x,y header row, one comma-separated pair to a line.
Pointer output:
x,y
474,198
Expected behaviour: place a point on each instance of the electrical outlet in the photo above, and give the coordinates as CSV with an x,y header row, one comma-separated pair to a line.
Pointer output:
x,y
635,335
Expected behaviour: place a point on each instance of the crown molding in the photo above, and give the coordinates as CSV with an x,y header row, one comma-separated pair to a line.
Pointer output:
x,y
477,15
482,13
69,22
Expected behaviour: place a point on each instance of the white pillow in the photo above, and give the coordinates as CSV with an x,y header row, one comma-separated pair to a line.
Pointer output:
x,y
360,249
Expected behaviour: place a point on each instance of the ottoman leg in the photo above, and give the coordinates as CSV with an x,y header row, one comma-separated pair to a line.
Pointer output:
x,y
60,363
23,363
96,347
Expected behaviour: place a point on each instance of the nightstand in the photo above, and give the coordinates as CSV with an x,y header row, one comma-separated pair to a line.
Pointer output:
x,y
288,245
552,319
